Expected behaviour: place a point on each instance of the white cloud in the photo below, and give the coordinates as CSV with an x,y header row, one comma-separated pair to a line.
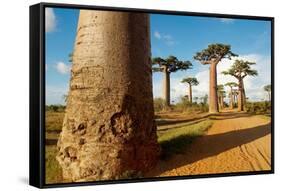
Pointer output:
x,y
62,68
50,20
157,35
166,38
227,20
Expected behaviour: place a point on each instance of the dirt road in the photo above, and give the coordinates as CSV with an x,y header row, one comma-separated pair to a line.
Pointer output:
x,y
236,142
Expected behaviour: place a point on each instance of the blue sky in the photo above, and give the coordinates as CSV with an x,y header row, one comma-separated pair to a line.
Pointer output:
x,y
181,36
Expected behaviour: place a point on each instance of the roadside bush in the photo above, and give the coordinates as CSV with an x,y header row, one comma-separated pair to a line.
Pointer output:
x,y
55,108
159,105
263,107
185,106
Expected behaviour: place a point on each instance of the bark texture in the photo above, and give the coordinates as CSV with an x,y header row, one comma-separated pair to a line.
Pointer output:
x,y
213,100
108,130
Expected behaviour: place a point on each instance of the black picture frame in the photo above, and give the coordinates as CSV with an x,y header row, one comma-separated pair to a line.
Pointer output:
x,y
37,93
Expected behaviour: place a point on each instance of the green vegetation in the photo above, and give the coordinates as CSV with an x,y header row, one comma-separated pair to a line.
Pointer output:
x,y
159,105
175,140
184,106
55,108
187,107
262,107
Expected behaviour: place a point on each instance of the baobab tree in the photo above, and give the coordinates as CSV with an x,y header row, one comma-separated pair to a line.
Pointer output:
x,y
221,96
267,88
235,93
204,99
191,81
212,56
240,69
231,85
108,130
167,66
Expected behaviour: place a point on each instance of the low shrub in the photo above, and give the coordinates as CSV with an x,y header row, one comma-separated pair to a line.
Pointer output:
x,y
262,107
55,108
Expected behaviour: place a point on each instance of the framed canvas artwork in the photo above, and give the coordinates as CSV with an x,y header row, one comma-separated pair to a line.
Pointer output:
x,y
121,95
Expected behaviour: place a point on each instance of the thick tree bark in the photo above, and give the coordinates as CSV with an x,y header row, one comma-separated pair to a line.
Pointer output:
x,y
166,88
108,130
213,100
190,93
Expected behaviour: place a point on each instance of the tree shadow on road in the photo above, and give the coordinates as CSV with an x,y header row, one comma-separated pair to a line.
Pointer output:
x,y
211,145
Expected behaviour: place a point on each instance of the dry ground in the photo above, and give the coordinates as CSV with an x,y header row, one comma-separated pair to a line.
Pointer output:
x,y
236,142
192,143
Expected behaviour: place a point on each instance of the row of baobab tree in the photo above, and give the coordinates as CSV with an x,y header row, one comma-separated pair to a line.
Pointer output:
x,y
109,131
211,56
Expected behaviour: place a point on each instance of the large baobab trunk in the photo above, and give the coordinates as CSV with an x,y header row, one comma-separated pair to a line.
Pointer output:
x,y
190,93
213,100
166,84
108,130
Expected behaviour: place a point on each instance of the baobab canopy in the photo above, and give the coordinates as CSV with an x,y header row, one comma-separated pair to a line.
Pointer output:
x,y
172,64
190,80
214,53
231,84
241,69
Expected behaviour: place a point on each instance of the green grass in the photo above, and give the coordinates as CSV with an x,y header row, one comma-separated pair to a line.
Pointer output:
x,y
53,169
175,140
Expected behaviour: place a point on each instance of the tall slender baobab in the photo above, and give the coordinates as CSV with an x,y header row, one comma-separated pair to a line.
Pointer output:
x,y
267,88
212,56
167,66
108,130
221,96
240,69
231,85
235,97
191,81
